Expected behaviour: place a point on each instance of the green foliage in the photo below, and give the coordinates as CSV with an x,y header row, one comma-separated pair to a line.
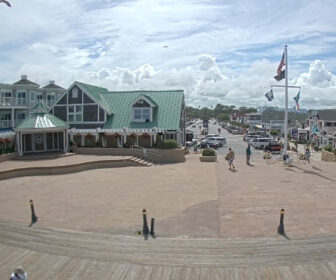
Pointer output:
x,y
208,152
167,144
223,117
274,132
206,113
328,148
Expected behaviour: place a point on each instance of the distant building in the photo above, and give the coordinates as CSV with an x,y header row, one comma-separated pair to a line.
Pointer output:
x,y
322,127
17,100
272,114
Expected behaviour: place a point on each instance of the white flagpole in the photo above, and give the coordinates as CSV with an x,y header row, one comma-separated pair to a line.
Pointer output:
x,y
286,103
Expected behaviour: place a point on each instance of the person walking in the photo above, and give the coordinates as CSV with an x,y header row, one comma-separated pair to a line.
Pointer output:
x,y
195,147
307,155
230,158
19,274
248,154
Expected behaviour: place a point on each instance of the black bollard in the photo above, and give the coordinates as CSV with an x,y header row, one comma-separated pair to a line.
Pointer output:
x,y
152,233
281,228
145,229
33,216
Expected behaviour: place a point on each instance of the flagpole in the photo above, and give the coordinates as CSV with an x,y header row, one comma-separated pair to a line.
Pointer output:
x,y
286,104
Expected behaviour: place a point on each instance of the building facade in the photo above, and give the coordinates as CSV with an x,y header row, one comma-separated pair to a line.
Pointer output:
x,y
98,117
322,127
17,100
278,114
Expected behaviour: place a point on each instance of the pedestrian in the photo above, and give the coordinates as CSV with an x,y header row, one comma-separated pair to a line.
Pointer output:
x,y
248,154
307,155
195,147
230,157
19,274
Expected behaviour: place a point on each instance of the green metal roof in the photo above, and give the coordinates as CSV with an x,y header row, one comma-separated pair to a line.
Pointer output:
x,y
166,114
40,107
41,120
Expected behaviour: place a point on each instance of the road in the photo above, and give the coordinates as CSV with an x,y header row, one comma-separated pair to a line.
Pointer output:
x,y
234,141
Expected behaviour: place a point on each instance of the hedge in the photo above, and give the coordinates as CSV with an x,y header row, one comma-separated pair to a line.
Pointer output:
x,y
167,144
208,152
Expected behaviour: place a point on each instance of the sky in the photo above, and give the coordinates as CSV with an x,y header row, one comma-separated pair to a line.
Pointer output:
x,y
217,51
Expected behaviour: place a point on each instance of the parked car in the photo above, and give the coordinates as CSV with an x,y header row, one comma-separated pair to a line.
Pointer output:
x,y
220,140
209,144
260,143
273,147
212,135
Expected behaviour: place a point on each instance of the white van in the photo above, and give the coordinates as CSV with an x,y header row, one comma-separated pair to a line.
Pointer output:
x,y
220,140
260,143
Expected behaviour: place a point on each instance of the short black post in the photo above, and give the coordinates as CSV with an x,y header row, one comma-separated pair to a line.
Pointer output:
x,y
281,228
152,233
145,229
33,216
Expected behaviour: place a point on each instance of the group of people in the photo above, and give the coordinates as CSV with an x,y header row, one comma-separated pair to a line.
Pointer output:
x,y
231,156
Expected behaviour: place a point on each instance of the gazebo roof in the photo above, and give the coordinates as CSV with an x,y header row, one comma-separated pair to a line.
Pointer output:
x,y
41,120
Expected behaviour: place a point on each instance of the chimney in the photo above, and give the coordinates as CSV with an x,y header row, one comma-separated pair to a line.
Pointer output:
x,y
51,82
23,77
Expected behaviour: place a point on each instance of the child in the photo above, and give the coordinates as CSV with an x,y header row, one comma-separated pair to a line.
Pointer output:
x,y
307,155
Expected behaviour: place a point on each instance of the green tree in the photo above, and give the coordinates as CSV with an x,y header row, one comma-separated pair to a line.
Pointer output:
x,y
223,117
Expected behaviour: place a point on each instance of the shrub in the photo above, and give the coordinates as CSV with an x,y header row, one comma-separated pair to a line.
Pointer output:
x,y
167,144
274,132
328,148
208,152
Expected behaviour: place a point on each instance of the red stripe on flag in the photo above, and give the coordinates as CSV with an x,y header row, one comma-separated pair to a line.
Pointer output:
x,y
282,63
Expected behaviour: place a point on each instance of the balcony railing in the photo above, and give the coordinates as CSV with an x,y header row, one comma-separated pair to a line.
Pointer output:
x,y
13,101
5,124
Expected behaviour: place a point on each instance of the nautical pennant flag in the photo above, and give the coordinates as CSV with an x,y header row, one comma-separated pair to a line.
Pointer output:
x,y
297,99
280,72
269,95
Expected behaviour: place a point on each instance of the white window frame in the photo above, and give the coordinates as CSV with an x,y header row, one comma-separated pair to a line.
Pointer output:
x,y
142,119
75,113
32,96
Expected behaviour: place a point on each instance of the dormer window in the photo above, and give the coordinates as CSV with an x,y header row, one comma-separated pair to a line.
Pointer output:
x,y
142,114
142,109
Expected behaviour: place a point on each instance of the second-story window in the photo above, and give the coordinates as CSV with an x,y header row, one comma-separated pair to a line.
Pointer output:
x,y
75,113
141,111
39,96
32,96
21,98
141,114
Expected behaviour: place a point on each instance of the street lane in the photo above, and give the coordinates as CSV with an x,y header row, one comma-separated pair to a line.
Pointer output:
x,y
234,141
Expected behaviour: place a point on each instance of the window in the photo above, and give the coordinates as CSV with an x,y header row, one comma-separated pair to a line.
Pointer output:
x,y
6,97
74,93
142,114
21,98
32,96
39,96
75,113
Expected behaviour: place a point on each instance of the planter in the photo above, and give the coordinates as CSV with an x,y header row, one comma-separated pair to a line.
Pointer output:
x,y
328,156
208,158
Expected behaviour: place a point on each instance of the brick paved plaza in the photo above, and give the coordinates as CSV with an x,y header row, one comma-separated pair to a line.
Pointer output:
x,y
190,199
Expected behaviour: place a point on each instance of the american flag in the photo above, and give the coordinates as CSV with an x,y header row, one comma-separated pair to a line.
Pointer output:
x,y
282,63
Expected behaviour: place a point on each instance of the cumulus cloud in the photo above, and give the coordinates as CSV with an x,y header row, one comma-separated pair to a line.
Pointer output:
x,y
317,76
218,51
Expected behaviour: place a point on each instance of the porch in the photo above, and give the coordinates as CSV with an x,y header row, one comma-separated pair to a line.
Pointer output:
x,y
122,138
41,141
